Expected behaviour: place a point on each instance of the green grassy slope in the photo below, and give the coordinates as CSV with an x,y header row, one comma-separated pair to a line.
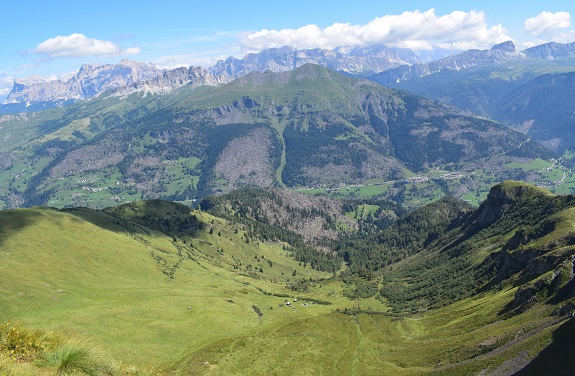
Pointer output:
x,y
61,270
214,301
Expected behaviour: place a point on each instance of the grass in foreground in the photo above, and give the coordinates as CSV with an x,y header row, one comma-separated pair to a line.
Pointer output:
x,y
27,351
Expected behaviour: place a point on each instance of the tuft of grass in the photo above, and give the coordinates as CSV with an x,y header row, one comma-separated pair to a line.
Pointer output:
x,y
78,356
27,351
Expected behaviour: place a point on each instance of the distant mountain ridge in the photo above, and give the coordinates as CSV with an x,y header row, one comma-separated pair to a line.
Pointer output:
x,y
500,53
530,90
88,82
35,93
385,65
354,60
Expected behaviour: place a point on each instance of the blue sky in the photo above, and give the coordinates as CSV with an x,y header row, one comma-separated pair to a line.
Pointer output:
x,y
53,38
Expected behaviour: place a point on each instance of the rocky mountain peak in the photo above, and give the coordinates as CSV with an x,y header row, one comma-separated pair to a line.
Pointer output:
x,y
90,80
20,85
502,198
551,51
31,80
508,46
85,69
355,60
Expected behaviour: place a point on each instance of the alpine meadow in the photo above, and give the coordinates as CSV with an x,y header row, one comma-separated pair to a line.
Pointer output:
x,y
390,195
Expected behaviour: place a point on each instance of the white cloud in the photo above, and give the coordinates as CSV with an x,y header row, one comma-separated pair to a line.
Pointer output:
x,y
6,83
62,76
204,59
417,30
567,37
78,45
564,37
5,88
546,22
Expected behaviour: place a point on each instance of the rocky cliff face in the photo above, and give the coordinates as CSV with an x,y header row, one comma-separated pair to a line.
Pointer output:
x,y
551,51
468,59
89,81
356,60
172,79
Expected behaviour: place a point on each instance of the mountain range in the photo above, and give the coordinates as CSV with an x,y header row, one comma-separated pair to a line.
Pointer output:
x,y
516,88
311,127
352,60
34,94
498,54
500,83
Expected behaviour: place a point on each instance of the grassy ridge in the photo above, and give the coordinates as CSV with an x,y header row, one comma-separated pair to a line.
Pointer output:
x,y
213,301
113,286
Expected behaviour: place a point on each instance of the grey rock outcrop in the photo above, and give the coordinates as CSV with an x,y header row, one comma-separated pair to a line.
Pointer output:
x,y
355,60
88,82
473,58
172,79
551,51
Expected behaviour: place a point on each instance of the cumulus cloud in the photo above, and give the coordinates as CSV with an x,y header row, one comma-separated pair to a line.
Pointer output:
x,y
564,37
546,22
417,30
78,45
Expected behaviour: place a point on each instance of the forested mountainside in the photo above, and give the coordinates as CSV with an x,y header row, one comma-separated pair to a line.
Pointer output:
x,y
516,88
308,128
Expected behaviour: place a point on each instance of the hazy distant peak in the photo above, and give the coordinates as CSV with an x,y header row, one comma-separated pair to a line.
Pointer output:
x,y
355,60
89,81
508,46
31,80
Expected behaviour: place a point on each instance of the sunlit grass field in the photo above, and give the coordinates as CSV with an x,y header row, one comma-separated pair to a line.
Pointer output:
x,y
164,305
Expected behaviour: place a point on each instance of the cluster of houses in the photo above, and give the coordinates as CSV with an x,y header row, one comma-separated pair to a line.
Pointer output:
x,y
18,175
90,180
289,304
95,189
417,179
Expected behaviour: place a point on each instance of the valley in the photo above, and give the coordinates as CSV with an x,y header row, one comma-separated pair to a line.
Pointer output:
x,y
263,129
169,290
424,188
288,214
